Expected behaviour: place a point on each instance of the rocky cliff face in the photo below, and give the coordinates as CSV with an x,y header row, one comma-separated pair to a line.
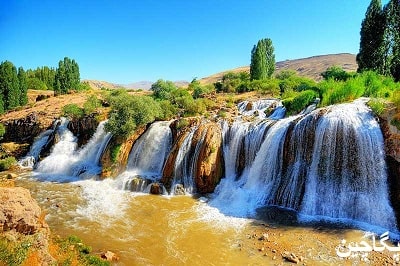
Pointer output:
x,y
23,130
208,166
115,156
392,150
83,128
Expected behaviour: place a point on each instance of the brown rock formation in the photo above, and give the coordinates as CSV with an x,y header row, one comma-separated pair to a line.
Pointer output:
x,y
169,166
19,211
22,130
83,128
210,165
209,162
392,150
114,166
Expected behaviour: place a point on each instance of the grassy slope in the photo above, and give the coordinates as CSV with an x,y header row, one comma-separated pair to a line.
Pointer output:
x,y
311,67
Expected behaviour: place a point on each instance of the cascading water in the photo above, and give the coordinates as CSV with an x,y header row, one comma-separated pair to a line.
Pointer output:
x,y
183,168
328,163
32,157
147,157
66,163
271,108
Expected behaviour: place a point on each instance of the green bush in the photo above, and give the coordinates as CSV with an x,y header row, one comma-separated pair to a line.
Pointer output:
x,y
128,112
14,253
2,130
72,111
36,84
91,104
298,103
162,89
377,106
336,73
6,163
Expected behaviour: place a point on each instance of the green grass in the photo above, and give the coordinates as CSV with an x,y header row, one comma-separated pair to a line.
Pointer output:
x,y
14,252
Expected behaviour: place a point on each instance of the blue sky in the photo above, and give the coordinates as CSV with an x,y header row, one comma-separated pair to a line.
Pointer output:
x,y
127,41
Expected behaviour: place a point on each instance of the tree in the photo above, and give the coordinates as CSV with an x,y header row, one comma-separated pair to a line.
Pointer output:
x,y
162,89
262,64
67,76
392,39
9,85
128,112
23,86
372,51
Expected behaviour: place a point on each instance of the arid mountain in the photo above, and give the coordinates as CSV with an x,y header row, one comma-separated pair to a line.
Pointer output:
x,y
140,85
311,67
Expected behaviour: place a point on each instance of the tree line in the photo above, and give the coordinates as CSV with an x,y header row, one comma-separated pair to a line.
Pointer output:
x,y
380,39
14,83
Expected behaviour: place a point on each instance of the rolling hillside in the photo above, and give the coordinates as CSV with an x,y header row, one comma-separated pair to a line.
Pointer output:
x,y
311,67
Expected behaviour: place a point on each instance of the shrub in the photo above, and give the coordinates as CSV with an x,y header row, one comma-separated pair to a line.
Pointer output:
x,y
91,104
377,106
128,112
36,84
298,103
6,163
336,73
114,153
182,123
162,89
2,130
72,111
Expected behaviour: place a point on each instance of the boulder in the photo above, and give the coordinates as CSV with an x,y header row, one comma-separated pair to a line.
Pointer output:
x,y
109,256
19,211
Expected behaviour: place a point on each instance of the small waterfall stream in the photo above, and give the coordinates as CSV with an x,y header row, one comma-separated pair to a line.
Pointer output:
x,y
147,157
67,163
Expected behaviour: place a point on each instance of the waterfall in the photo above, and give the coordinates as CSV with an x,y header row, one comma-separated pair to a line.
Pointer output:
x,y
271,108
40,141
327,163
347,175
183,168
150,150
147,157
67,163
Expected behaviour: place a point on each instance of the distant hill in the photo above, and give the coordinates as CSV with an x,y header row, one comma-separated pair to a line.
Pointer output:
x,y
311,67
142,85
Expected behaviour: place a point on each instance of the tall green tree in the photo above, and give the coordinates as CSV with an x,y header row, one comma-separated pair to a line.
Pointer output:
x,y
9,85
372,51
392,38
67,76
262,64
23,86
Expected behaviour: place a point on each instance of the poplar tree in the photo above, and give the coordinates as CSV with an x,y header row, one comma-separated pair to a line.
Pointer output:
x,y
262,64
67,76
372,53
9,85
23,86
392,38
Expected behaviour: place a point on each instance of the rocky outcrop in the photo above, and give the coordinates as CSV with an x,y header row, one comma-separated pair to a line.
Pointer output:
x,y
83,128
206,146
20,212
210,162
392,150
22,130
115,155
